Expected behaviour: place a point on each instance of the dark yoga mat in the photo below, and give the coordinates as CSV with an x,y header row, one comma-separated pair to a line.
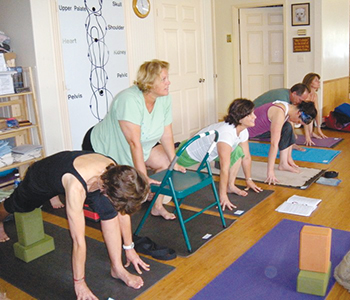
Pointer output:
x,y
269,269
50,276
168,233
205,196
329,142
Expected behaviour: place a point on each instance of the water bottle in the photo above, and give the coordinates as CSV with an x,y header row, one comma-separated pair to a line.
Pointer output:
x,y
17,180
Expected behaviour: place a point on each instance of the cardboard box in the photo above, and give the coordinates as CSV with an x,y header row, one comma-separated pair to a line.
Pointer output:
x,y
10,59
9,56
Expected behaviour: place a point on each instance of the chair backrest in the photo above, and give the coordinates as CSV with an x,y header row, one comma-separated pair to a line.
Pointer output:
x,y
204,163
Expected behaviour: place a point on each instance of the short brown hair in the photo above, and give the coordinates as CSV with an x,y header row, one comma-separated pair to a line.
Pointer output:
x,y
148,73
238,109
125,187
299,89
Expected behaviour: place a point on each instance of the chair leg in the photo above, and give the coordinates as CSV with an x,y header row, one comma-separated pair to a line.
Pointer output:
x,y
182,224
143,220
218,203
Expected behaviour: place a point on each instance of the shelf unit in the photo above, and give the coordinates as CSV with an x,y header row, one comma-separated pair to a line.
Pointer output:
x,y
22,106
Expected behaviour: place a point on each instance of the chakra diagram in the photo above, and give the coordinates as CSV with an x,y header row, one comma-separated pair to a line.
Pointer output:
x,y
98,55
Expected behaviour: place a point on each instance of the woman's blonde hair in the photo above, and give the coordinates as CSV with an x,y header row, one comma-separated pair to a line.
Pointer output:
x,y
148,73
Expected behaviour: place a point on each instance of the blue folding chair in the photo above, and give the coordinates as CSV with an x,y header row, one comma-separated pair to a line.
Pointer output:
x,y
179,185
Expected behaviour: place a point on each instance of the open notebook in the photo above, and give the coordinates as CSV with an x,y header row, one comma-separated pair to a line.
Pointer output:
x,y
297,205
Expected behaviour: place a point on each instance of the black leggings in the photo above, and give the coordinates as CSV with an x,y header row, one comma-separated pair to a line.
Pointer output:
x,y
287,136
86,145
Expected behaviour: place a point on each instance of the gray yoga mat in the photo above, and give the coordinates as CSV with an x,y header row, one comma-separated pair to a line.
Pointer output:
x,y
244,204
168,233
301,180
50,276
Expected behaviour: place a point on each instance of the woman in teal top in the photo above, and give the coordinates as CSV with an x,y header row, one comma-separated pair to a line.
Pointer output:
x,y
137,130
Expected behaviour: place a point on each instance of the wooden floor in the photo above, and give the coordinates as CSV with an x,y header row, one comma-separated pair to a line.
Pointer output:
x,y
193,273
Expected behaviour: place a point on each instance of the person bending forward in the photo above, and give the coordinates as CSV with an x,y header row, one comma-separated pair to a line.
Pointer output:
x,y
112,190
232,149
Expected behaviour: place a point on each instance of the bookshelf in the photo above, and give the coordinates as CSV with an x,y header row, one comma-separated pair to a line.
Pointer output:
x,y
24,108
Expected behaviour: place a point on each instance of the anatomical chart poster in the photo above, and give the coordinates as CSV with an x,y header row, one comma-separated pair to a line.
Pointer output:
x,y
95,60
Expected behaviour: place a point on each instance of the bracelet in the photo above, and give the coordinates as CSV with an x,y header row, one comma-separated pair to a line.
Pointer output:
x,y
247,179
129,247
77,280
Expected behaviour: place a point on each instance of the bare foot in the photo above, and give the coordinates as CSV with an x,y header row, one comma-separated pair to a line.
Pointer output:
x,y
56,202
293,164
129,279
162,212
236,190
150,196
298,148
3,236
288,168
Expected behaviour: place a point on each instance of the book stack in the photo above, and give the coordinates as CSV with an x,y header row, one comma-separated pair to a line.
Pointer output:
x,y
5,154
314,260
26,152
8,178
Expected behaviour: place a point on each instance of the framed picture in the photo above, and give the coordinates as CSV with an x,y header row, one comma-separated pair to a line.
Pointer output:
x,y
301,14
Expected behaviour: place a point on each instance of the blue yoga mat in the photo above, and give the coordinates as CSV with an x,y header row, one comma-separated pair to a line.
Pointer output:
x,y
269,269
314,155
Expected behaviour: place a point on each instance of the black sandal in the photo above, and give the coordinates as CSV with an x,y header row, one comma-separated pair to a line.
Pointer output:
x,y
146,246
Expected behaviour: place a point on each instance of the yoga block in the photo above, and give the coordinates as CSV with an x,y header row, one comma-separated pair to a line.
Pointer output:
x,y
30,227
315,248
314,283
31,252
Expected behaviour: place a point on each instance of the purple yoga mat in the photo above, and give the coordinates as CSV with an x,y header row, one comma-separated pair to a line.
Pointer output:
x,y
328,142
269,269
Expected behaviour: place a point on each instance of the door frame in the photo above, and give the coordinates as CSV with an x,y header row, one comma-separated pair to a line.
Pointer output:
x,y
236,43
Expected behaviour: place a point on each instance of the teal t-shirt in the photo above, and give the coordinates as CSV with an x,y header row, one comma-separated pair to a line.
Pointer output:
x,y
129,105
271,96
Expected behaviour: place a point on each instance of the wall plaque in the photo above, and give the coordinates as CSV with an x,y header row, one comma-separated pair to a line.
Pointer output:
x,y
301,44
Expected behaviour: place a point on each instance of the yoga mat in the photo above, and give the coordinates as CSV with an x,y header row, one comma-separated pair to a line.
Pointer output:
x,y
205,196
269,269
301,180
50,276
329,142
168,233
314,155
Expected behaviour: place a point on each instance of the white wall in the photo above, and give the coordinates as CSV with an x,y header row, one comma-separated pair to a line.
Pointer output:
x,y
297,65
29,24
335,36
328,30
227,54
16,22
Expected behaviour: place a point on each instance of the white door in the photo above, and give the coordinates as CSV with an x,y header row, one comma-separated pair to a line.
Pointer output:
x,y
178,24
262,64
